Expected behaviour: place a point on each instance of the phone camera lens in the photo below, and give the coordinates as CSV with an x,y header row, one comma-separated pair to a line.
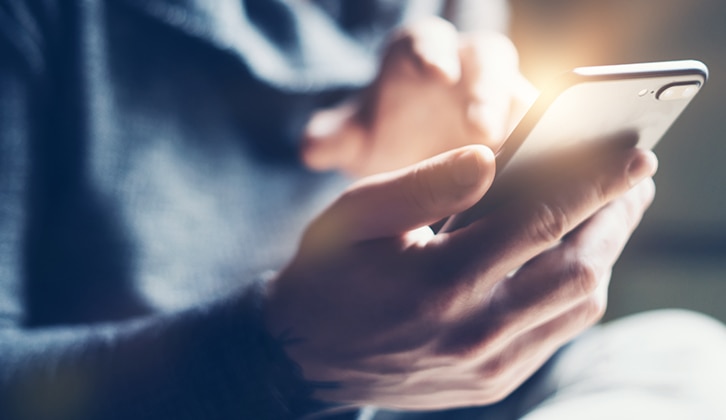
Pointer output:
x,y
675,91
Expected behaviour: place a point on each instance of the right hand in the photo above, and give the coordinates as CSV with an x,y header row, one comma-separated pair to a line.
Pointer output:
x,y
436,90
399,317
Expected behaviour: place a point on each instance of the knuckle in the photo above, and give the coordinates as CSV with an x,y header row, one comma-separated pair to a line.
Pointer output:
x,y
550,223
582,275
488,43
494,369
470,343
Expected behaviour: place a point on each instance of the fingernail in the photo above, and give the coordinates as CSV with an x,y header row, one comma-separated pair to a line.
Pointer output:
x,y
641,167
467,169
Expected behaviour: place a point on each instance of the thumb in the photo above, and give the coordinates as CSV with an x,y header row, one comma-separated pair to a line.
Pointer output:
x,y
333,138
393,203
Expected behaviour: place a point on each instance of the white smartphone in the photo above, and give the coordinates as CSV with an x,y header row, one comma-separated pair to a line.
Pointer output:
x,y
589,107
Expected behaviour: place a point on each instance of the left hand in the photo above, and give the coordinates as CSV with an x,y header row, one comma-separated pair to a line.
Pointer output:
x,y
436,90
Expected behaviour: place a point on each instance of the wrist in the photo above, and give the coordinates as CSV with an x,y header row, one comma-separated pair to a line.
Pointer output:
x,y
283,377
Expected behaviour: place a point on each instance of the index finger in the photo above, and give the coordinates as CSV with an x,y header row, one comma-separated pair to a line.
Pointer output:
x,y
490,73
524,227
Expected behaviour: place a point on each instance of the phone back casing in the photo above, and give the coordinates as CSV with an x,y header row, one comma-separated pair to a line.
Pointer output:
x,y
593,105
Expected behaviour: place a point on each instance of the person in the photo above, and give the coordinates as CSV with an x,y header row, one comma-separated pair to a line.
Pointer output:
x,y
152,201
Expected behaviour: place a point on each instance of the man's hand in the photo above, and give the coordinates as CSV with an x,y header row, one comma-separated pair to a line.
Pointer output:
x,y
402,318
436,90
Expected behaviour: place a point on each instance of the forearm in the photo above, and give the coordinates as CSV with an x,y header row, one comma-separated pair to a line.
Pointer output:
x,y
210,362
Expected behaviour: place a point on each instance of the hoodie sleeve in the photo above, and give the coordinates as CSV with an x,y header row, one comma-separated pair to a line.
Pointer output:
x,y
211,362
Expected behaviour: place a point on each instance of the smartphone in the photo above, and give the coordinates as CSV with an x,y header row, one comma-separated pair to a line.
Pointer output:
x,y
590,108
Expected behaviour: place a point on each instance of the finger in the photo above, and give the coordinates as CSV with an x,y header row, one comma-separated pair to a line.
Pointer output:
x,y
394,203
521,357
333,138
523,97
554,281
528,225
622,216
429,47
337,138
503,362
490,68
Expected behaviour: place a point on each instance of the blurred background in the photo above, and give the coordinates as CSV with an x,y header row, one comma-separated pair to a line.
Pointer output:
x,y
677,258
